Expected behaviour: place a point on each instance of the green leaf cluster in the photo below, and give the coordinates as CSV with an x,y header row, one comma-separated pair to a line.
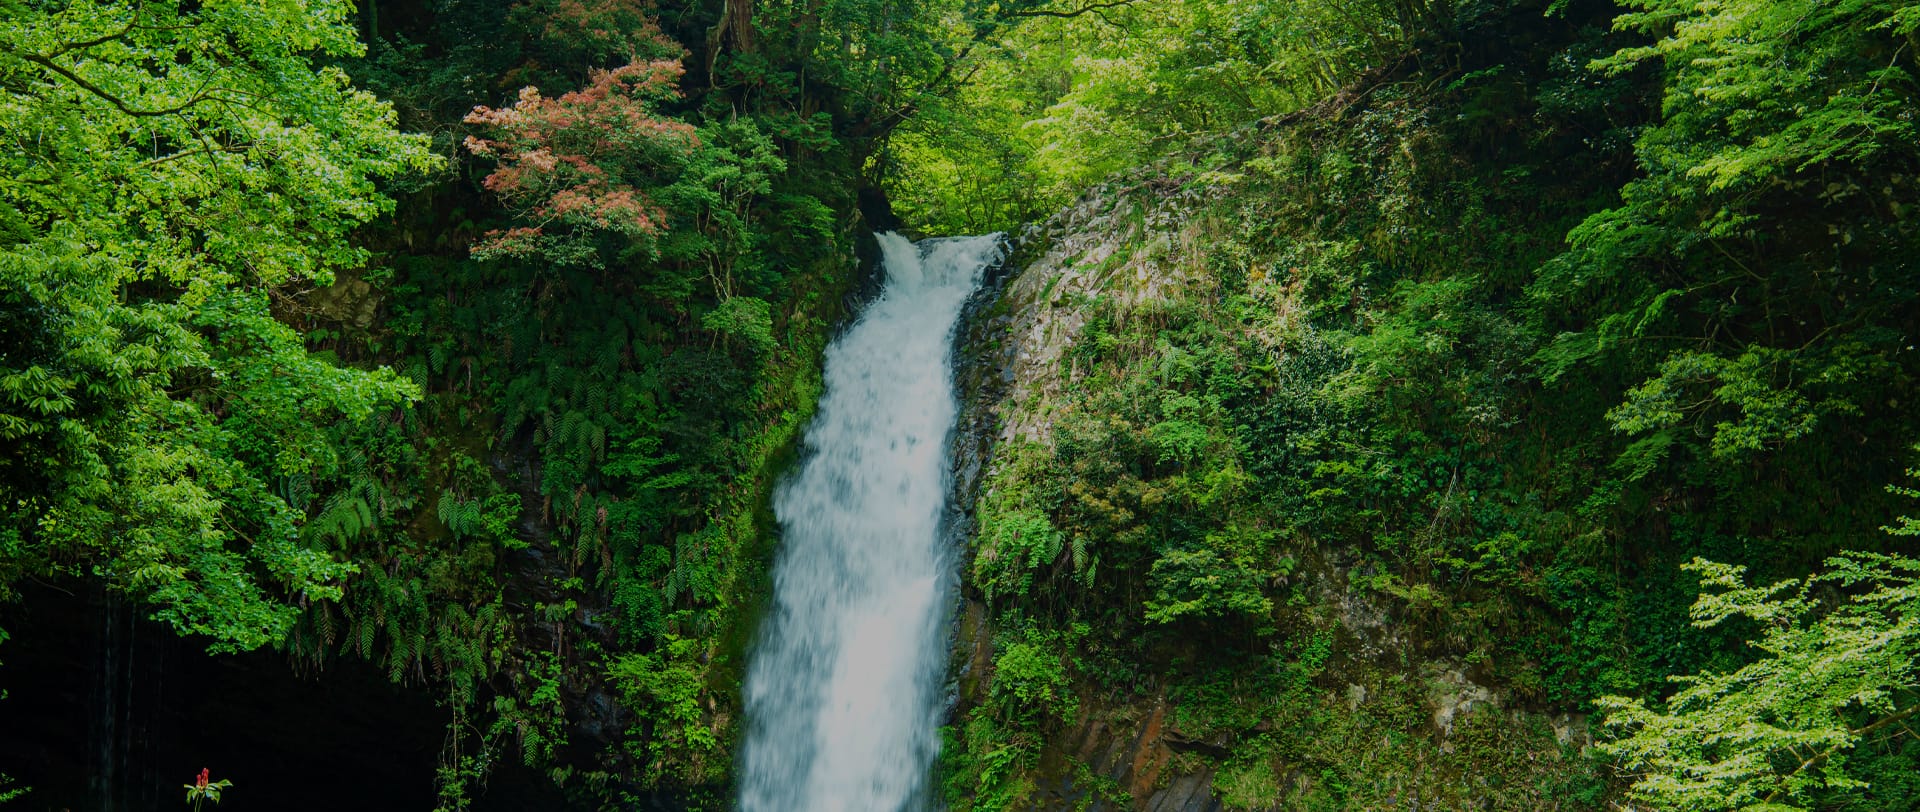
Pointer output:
x,y
1781,732
176,178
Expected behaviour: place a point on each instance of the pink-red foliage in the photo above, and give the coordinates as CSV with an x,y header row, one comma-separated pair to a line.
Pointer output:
x,y
574,160
518,243
627,27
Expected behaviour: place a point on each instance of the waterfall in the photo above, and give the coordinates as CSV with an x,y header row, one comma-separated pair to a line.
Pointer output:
x,y
843,688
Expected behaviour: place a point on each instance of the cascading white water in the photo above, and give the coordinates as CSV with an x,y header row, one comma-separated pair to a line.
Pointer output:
x,y
843,685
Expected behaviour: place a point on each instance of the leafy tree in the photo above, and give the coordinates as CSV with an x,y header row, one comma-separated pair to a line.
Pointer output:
x,y
572,162
591,30
1757,259
1784,731
1062,95
176,176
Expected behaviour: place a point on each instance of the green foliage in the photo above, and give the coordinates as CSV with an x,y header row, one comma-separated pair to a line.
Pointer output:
x,y
1030,680
149,396
535,716
1758,92
204,790
612,374
491,518
1492,343
1766,106
10,791
1769,414
591,405
986,763
1014,543
1057,102
1199,584
983,766
665,689
1799,727
1377,364
744,319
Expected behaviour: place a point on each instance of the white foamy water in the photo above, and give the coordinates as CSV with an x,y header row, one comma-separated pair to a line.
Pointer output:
x,y
843,686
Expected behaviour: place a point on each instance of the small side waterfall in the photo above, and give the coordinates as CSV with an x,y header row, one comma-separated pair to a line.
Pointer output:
x,y
843,687
125,692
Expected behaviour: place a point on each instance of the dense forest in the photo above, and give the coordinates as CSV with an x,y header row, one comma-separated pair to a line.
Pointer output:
x,y
1455,403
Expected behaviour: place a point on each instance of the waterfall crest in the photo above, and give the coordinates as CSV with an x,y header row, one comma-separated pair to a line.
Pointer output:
x,y
843,685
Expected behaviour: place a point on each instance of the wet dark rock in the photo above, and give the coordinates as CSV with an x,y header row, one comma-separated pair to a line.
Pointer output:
x,y
1187,793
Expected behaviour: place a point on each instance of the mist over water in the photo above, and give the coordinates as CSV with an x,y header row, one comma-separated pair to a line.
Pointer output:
x,y
843,687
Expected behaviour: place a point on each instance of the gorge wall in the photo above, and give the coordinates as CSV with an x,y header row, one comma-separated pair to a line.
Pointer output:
x,y
1300,469
1345,707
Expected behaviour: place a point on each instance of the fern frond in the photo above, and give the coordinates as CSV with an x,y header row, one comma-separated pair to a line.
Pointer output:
x,y
598,398
323,625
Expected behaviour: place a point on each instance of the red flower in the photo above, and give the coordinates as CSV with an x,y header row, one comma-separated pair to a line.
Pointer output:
x,y
203,778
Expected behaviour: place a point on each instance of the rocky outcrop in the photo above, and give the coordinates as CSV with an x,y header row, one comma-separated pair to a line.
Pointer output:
x,y
1136,244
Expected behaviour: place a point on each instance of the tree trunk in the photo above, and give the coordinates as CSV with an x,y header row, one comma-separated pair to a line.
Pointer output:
x,y
735,29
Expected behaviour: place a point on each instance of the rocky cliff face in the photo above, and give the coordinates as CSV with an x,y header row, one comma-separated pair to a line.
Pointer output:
x,y
1379,717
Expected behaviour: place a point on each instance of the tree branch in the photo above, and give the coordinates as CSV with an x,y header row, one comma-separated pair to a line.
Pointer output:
x,y
1090,8
90,87
204,150
97,41
1828,753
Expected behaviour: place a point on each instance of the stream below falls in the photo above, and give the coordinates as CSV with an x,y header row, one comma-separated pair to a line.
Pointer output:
x,y
844,682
